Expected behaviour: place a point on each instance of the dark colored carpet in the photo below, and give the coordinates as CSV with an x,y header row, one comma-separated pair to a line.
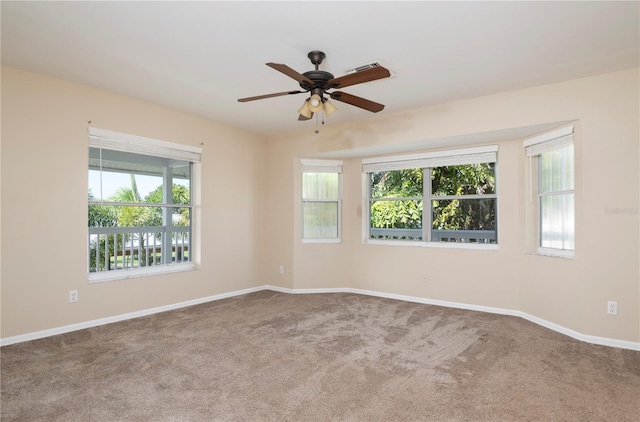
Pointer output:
x,y
271,356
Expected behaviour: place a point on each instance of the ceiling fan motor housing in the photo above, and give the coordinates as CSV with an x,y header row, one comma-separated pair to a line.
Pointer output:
x,y
319,78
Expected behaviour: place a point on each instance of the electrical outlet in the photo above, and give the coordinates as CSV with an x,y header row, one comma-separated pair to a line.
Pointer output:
x,y
281,269
612,307
73,296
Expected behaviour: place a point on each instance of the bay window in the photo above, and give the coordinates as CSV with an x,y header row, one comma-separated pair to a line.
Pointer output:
x,y
443,197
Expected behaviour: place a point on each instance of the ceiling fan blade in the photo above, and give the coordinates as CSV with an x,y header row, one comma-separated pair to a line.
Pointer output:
x,y
303,118
359,77
291,73
261,97
357,101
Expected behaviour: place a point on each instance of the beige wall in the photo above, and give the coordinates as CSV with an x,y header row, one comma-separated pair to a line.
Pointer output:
x,y
570,292
250,209
44,212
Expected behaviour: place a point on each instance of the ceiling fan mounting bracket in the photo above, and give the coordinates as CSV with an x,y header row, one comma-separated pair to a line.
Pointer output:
x,y
316,57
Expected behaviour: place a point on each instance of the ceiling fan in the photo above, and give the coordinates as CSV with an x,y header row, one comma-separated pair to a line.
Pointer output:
x,y
318,82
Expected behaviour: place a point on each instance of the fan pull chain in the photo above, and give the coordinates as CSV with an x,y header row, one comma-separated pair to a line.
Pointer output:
x,y
317,131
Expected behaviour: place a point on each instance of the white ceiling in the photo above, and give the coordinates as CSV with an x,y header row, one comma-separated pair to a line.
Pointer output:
x,y
200,57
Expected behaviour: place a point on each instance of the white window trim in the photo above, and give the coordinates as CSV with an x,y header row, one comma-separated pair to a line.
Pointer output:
x,y
320,166
323,166
534,147
117,141
474,155
452,157
440,245
327,240
549,138
558,253
125,274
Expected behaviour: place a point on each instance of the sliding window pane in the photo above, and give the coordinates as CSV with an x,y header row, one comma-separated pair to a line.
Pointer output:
x,y
396,184
557,228
556,170
400,219
320,220
464,214
468,179
320,186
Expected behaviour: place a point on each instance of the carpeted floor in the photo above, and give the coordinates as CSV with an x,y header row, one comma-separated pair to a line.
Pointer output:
x,y
271,356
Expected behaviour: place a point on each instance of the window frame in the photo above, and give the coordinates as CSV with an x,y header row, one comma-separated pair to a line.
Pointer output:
x,y
534,148
321,166
427,162
120,142
432,197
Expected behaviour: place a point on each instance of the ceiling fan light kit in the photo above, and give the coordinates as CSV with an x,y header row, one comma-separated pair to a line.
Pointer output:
x,y
315,103
318,82
305,111
329,108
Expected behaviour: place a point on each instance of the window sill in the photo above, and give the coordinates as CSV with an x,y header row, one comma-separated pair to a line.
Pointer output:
x,y
556,253
439,245
321,241
137,272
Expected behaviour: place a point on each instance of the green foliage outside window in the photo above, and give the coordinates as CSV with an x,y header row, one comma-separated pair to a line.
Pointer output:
x,y
397,213
132,216
405,192
464,214
102,216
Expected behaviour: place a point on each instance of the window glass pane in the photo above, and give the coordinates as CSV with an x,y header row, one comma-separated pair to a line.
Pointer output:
x,y
557,226
133,245
320,186
132,216
567,168
121,187
136,236
102,216
320,220
556,170
468,179
129,177
569,222
464,214
396,184
557,221
182,184
464,220
405,214
396,204
396,220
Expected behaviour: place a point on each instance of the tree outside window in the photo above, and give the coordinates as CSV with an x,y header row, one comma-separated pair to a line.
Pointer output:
x,y
461,200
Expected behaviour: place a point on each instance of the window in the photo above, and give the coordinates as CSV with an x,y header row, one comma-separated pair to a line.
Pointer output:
x,y
140,205
321,193
555,190
458,188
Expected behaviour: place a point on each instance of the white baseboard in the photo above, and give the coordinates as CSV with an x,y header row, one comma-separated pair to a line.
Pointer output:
x,y
123,317
603,341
